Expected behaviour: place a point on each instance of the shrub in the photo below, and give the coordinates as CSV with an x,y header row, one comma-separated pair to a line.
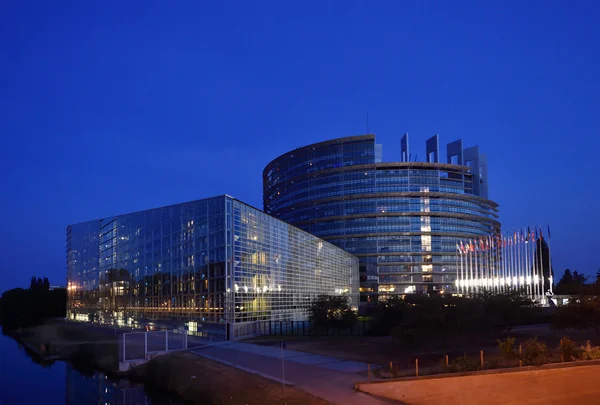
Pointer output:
x,y
507,348
493,364
535,352
376,372
568,350
464,363
589,352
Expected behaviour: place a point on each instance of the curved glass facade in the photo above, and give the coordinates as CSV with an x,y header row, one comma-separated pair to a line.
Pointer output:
x,y
403,220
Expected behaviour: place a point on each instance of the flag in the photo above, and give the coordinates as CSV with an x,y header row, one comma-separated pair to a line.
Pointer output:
x,y
515,235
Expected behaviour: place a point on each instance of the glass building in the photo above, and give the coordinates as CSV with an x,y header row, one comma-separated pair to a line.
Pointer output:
x,y
402,219
202,264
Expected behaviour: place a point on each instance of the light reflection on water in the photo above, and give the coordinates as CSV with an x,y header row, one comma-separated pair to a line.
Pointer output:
x,y
24,381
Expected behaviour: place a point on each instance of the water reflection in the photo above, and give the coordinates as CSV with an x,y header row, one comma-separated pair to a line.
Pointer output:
x,y
98,389
24,379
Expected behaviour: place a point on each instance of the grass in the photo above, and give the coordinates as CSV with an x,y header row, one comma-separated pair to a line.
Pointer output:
x,y
197,380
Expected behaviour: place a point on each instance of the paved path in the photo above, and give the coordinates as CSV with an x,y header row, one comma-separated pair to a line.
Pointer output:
x,y
326,377
559,386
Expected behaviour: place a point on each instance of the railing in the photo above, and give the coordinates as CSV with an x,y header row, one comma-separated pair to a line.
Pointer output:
x,y
141,345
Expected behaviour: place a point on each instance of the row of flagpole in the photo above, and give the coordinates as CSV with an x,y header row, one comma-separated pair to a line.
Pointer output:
x,y
500,261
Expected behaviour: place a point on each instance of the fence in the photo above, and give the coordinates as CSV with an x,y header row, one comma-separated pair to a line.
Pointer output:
x,y
243,330
306,328
138,345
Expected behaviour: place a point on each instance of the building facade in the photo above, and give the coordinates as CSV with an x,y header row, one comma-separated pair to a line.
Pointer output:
x,y
402,219
203,265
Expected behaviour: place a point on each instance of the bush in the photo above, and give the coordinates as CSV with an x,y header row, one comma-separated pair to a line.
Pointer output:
x,y
332,312
535,352
507,348
568,350
589,352
493,364
464,363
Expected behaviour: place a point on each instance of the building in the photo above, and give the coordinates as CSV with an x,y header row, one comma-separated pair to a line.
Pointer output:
x,y
402,219
204,265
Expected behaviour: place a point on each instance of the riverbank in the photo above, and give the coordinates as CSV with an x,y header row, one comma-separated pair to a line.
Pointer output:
x,y
184,375
85,347
198,380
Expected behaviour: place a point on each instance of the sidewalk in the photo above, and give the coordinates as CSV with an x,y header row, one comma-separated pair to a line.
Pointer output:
x,y
326,377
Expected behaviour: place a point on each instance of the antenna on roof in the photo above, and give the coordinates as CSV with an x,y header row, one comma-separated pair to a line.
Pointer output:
x,y
415,157
367,123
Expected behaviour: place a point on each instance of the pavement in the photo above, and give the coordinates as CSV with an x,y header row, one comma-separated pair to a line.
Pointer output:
x,y
329,378
550,386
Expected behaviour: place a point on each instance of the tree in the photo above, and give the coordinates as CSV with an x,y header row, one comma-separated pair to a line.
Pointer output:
x,y
566,279
571,283
332,311
542,250
579,278
582,312
23,308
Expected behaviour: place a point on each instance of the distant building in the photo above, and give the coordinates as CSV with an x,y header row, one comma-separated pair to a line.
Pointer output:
x,y
205,265
402,219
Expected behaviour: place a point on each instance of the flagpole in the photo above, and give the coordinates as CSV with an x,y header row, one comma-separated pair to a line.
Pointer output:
x,y
505,260
501,260
462,269
471,284
536,278
541,253
509,259
513,255
550,276
477,275
456,269
528,276
519,269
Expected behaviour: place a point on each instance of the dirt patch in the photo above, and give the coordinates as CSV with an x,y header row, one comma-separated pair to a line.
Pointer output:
x,y
197,380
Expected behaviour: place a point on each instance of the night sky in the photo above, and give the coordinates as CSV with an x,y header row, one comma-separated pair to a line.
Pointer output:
x,y
112,107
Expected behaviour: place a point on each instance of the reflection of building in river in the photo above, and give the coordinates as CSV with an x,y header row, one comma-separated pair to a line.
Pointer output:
x,y
98,389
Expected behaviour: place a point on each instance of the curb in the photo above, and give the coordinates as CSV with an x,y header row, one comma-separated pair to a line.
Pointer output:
x,y
549,366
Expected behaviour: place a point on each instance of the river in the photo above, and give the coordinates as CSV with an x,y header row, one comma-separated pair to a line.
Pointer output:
x,y
24,381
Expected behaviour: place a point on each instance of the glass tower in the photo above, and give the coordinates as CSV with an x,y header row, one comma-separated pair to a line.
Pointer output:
x,y
201,264
402,219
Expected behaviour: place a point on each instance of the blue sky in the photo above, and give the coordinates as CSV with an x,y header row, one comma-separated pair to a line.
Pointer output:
x,y
112,107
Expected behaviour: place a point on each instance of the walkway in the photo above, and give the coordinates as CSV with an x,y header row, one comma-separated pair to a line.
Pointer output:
x,y
559,386
326,377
